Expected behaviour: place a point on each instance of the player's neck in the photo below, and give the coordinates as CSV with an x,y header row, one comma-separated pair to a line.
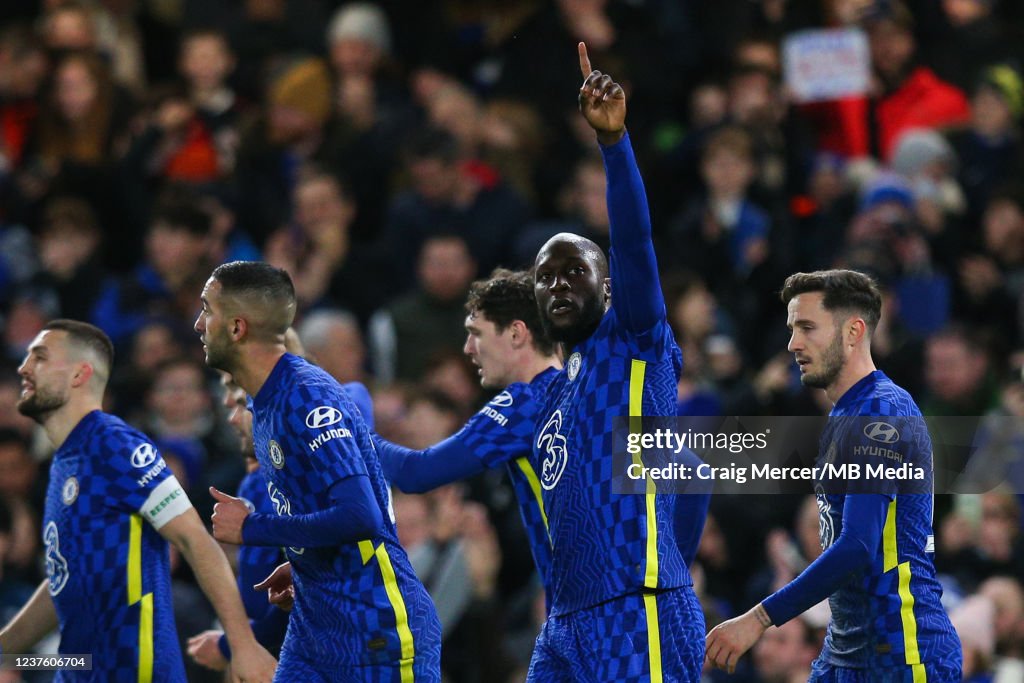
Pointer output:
x,y
854,370
535,364
255,367
61,422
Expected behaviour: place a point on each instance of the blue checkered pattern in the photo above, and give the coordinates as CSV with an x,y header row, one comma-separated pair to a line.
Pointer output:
x,y
867,628
93,493
292,667
823,672
610,642
501,433
255,562
342,615
600,537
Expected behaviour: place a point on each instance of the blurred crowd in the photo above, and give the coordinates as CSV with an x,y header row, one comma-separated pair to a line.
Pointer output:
x,y
388,153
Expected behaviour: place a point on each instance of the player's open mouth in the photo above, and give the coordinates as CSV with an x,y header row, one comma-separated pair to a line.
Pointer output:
x,y
561,307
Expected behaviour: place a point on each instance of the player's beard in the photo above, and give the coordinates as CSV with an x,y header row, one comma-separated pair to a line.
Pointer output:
x,y
41,404
220,356
831,362
585,325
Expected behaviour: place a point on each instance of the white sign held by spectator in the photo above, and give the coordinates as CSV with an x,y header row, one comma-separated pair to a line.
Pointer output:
x,y
826,64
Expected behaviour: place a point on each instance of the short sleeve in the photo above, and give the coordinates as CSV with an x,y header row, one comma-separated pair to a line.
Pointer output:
x,y
139,481
502,431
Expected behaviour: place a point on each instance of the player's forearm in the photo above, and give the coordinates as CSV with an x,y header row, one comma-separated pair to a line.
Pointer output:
x,y
33,621
421,471
269,631
355,516
211,569
627,198
636,290
863,517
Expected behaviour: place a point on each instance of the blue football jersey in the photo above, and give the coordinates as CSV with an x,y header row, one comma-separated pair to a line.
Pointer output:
x,y
501,434
357,603
107,566
606,544
890,615
255,563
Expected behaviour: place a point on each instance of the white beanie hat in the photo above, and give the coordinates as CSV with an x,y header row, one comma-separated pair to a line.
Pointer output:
x,y
361,21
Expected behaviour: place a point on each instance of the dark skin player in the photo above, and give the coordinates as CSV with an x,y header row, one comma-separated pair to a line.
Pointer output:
x,y
571,272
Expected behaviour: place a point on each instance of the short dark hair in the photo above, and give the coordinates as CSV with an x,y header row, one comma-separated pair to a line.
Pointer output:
x,y
262,284
507,296
844,290
86,335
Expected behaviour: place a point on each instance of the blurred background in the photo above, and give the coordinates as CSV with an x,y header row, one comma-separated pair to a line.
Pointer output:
x,y
386,154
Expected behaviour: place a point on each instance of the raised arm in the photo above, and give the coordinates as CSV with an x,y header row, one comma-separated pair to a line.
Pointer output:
x,y
636,290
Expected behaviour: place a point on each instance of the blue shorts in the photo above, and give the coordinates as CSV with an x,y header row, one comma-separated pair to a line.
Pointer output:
x,y
823,672
611,642
424,668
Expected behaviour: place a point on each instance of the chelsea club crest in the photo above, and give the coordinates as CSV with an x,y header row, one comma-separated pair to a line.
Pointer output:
x,y
276,455
69,492
574,364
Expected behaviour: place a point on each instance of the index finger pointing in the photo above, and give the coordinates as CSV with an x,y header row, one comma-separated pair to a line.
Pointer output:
x,y
584,60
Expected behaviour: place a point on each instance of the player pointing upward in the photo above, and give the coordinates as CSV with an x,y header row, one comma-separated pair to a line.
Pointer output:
x,y
623,607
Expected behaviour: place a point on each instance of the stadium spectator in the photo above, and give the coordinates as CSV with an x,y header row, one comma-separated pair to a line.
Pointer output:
x,y
405,334
288,134
905,94
18,479
69,244
334,341
990,149
446,197
316,247
957,374
177,247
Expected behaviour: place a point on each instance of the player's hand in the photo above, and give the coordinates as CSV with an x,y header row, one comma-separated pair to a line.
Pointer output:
x,y
602,102
279,587
229,515
204,651
252,664
727,642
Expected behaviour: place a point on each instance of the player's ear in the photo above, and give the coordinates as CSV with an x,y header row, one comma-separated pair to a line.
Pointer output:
x,y
82,374
238,329
607,289
519,333
856,329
